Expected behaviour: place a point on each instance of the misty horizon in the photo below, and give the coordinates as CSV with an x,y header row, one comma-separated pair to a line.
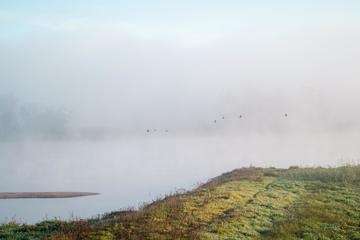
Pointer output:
x,y
134,98
107,74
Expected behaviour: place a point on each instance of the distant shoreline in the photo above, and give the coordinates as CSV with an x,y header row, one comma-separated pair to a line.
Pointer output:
x,y
19,195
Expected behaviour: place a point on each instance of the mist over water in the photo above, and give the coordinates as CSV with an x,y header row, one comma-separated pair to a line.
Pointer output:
x,y
81,84
129,171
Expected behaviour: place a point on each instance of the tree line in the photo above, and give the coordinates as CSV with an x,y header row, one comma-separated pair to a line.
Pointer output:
x,y
19,120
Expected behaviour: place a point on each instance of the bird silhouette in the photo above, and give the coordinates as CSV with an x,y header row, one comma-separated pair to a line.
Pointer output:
x,y
214,121
223,117
240,116
286,115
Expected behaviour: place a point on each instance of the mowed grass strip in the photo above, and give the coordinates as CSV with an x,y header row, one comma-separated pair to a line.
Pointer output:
x,y
254,219
327,211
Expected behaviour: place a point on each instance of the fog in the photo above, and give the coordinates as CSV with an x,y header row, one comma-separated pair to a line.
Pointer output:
x,y
131,84
80,88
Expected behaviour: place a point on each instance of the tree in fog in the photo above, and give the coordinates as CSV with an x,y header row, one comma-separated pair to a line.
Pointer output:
x,y
44,122
9,124
31,120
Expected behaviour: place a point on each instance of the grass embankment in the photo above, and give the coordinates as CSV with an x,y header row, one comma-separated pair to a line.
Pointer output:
x,y
247,203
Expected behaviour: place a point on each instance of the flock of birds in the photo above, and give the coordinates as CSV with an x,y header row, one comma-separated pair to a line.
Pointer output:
x,y
215,121
155,130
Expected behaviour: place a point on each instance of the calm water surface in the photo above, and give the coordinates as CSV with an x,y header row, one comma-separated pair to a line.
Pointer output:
x,y
129,171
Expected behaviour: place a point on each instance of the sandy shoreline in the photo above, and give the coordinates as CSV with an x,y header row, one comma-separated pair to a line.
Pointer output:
x,y
15,195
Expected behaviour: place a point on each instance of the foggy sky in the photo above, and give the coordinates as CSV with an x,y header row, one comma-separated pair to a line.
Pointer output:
x,y
145,65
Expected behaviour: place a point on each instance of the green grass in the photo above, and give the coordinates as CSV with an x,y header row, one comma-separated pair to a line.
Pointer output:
x,y
247,203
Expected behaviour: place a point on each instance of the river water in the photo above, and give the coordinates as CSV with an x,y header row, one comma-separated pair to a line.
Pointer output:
x,y
128,171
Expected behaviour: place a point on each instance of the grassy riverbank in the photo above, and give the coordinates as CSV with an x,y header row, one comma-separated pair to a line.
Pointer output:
x,y
247,203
